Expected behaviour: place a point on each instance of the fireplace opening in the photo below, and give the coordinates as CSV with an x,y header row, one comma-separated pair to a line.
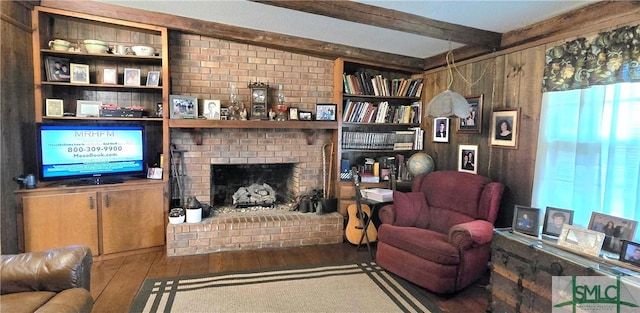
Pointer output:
x,y
228,180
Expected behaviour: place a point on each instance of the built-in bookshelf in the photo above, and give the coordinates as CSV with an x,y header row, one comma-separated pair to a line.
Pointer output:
x,y
381,114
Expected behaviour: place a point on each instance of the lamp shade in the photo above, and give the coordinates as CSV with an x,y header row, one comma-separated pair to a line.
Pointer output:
x,y
448,104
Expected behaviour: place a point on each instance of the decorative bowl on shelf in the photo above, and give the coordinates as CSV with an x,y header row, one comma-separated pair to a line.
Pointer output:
x,y
96,46
143,50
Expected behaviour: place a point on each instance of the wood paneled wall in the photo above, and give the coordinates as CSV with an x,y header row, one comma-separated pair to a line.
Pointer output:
x,y
18,153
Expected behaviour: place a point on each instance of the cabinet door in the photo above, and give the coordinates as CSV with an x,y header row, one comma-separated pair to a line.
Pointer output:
x,y
53,221
132,219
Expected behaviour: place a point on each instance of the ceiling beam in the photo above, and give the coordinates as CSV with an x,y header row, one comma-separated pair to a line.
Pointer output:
x,y
239,34
392,19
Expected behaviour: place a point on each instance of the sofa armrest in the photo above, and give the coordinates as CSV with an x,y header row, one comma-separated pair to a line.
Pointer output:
x,y
51,270
474,233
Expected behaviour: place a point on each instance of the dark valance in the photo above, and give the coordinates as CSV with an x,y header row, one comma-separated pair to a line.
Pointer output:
x,y
606,58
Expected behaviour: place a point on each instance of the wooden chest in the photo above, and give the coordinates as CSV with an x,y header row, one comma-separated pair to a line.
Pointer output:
x,y
522,268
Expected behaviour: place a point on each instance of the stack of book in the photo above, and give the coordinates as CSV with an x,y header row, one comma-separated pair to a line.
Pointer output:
x,y
363,83
381,112
393,140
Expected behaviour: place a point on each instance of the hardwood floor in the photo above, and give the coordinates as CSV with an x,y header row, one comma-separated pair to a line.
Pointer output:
x,y
115,282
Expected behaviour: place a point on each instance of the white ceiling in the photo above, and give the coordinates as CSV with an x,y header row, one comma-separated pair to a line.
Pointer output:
x,y
496,16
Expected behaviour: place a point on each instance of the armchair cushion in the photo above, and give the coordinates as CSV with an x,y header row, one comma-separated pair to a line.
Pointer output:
x,y
423,243
408,207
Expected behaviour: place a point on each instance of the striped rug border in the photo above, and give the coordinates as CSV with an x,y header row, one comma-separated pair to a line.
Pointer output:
x,y
158,294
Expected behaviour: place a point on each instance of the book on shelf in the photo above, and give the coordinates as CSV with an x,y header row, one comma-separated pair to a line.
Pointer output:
x,y
364,83
378,194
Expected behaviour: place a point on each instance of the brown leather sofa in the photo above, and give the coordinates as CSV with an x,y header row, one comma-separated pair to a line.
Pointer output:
x,y
56,280
439,235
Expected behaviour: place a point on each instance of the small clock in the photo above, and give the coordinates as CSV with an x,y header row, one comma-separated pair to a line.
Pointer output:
x,y
259,100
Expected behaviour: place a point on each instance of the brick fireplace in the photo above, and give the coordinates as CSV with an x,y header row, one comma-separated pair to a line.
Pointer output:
x,y
252,230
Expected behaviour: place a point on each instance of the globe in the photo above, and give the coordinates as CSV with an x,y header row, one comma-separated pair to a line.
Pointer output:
x,y
420,163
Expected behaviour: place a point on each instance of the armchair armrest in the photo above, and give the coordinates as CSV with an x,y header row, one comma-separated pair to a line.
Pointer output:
x,y
52,270
474,233
387,214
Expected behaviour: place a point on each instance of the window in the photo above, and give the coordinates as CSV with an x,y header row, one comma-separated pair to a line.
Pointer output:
x,y
588,157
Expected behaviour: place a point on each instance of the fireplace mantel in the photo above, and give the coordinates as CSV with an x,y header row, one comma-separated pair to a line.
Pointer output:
x,y
199,123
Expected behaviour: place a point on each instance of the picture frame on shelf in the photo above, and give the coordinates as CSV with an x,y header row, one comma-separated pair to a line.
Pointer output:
x,y
326,112
110,76
304,115
472,123
554,220
441,129
581,240
153,78
211,109
293,113
183,107
615,229
57,69
467,156
86,108
132,77
224,114
526,220
504,128
630,252
54,107
79,73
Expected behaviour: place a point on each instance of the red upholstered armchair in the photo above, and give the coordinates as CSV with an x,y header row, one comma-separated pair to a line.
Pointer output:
x,y
438,236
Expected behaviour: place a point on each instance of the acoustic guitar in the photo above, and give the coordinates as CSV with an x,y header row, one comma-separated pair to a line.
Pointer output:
x,y
359,215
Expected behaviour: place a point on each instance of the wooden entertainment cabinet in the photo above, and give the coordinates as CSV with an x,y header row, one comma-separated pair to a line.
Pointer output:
x,y
107,218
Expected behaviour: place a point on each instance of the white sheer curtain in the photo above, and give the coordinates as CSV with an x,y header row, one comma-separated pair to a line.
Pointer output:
x,y
588,157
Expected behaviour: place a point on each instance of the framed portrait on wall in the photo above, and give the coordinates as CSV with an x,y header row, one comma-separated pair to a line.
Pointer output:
x,y
441,129
467,156
504,128
473,122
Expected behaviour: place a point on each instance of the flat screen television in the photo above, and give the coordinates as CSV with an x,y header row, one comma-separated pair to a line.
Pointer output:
x,y
95,154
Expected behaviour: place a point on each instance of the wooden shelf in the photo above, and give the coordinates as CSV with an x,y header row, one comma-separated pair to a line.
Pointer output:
x,y
200,123
100,55
105,86
379,98
137,119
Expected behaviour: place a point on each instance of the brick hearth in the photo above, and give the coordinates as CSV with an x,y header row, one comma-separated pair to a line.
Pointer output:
x,y
254,230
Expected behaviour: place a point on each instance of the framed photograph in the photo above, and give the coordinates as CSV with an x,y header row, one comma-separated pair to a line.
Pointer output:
x,y
615,229
504,128
525,220
183,106
554,220
293,113
87,108
54,107
441,129
212,109
57,69
154,173
132,77
109,76
304,115
467,158
325,112
79,73
581,240
153,78
224,114
473,122
630,252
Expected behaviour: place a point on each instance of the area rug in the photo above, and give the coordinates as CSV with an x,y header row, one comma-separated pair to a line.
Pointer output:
x,y
361,287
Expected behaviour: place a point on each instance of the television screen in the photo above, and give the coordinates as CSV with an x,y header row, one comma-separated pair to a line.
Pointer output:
x,y
72,151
